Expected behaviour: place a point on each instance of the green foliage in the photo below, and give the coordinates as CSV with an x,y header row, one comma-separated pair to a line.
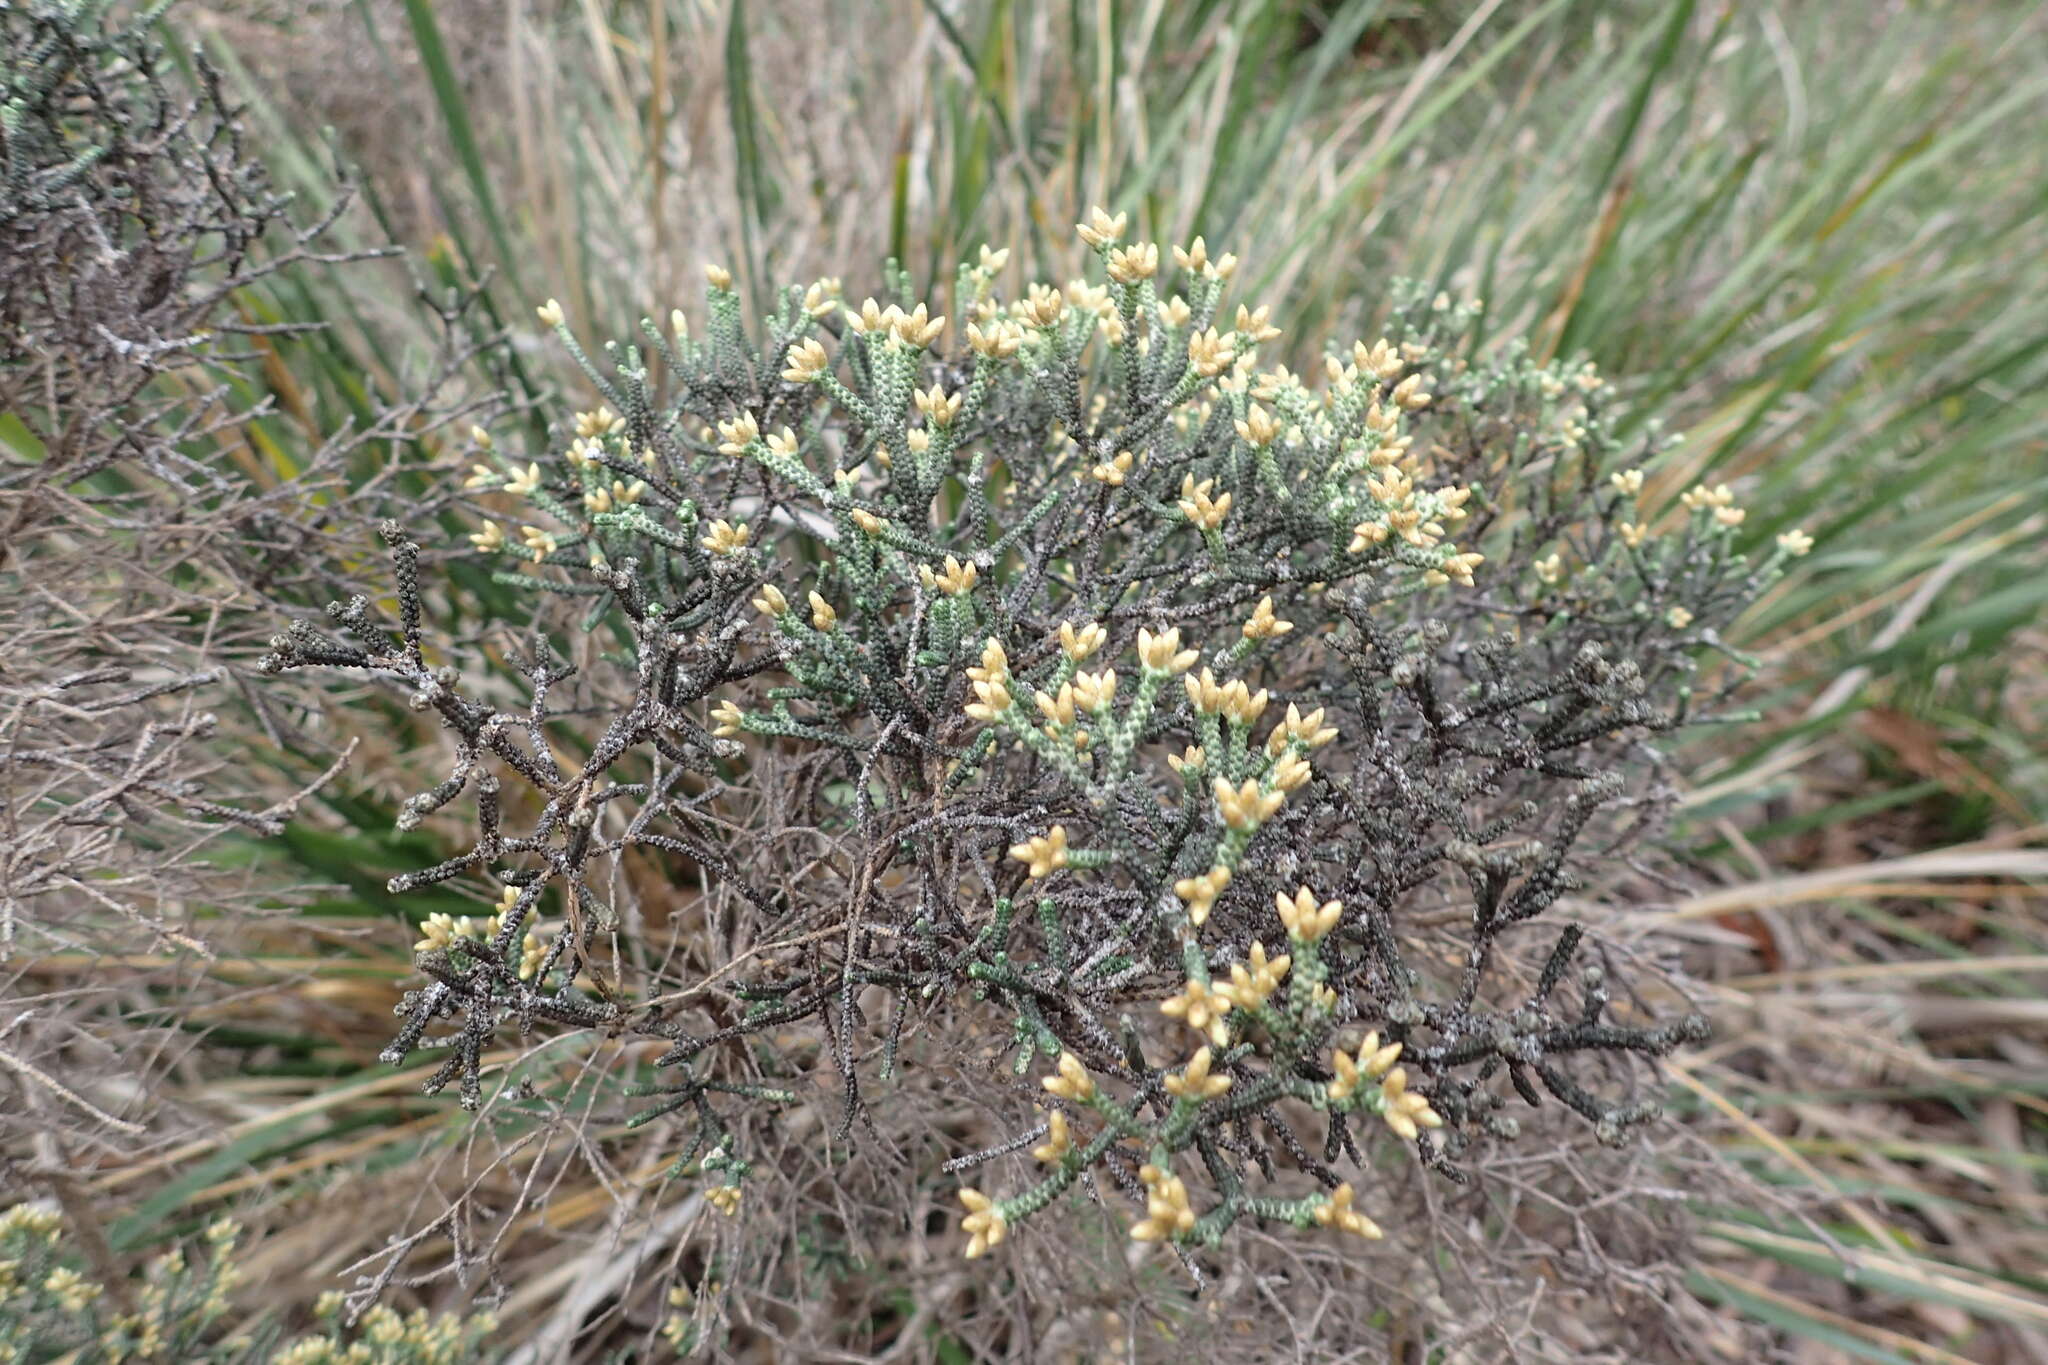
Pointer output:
x,y
179,1309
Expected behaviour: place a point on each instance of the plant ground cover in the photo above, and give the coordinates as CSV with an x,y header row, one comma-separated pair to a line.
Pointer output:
x,y
1820,252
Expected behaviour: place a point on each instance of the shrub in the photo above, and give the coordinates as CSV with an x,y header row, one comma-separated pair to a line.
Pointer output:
x,y
178,1309
132,215
1216,743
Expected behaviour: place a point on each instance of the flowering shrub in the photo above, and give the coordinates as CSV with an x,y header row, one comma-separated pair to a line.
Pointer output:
x,y
1215,739
177,1310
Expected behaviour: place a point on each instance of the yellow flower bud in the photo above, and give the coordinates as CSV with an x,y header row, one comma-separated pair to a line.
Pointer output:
x,y
1043,854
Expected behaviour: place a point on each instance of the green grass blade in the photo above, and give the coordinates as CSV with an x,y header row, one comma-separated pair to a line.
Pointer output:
x,y
426,33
